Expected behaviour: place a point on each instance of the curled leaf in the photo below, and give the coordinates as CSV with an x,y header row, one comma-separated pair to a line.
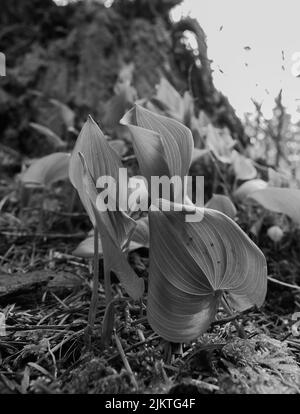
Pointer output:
x,y
114,228
162,145
100,157
222,203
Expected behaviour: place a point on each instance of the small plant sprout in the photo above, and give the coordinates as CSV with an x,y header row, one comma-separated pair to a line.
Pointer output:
x,y
92,158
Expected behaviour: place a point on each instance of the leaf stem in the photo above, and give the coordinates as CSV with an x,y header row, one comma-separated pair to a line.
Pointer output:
x,y
94,299
125,361
107,285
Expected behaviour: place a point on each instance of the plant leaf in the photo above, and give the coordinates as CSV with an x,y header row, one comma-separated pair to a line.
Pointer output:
x,y
118,105
279,200
243,167
147,147
119,146
141,232
191,264
220,145
276,179
114,228
172,101
99,156
67,114
171,143
249,187
140,238
47,170
199,153
222,203
51,136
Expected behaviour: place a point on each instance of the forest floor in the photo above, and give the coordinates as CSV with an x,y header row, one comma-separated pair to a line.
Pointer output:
x,y
45,293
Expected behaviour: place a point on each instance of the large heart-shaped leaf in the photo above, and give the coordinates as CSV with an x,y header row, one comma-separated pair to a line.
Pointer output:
x,y
192,264
47,170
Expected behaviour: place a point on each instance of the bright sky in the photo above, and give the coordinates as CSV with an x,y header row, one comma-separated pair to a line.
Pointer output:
x,y
268,27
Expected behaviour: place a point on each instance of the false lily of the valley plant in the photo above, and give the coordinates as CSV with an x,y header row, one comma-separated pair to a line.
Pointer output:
x,y
193,264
